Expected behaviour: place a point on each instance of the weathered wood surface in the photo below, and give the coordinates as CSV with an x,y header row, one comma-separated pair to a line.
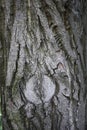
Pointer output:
x,y
43,69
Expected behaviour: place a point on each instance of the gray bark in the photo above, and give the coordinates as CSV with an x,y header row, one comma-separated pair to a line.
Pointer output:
x,y
43,64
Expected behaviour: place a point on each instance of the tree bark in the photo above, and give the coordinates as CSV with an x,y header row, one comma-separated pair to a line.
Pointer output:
x,y
43,64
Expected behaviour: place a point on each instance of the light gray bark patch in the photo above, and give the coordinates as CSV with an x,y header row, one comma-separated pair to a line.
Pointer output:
x,y
38,91
16,53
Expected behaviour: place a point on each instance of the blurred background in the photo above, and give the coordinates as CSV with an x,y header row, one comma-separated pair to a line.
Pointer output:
x,y
0,116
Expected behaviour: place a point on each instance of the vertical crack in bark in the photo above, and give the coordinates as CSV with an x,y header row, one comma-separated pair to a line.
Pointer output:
x,y
14,82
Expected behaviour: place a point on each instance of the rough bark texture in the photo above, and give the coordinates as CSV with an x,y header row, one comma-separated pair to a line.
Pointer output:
x,y
43,70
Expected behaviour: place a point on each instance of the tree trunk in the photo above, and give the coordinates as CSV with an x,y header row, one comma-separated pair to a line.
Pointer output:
x,y
43,69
